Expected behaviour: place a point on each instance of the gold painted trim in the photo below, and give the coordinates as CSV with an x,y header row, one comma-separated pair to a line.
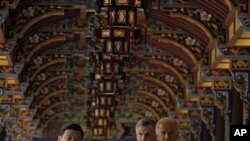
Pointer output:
x,y
38,19
47,65
224,64
3,57
235,31
14,4
4,62
229,4
207,83
216,60
197,74
2,37
39,46
243,43
245,35
230,17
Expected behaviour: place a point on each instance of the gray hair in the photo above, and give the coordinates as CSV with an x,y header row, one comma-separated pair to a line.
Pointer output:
x,y
169,120
145,122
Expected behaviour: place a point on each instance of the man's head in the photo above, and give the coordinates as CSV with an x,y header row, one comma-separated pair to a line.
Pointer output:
x,y
166,129
71,132
145,130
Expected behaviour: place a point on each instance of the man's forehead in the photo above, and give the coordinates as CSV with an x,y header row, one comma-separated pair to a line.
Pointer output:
x,y
166,127
148,127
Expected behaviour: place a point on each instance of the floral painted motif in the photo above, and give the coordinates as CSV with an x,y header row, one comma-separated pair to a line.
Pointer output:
x,y
6,47
222,101
205,16
34,39
234,51
190,41
28,12
217,73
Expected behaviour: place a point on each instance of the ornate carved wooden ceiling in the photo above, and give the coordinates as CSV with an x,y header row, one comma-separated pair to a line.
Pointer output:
x,y
194,66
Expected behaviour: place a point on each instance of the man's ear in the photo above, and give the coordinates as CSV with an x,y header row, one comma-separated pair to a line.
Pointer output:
x,y
156,136
59,138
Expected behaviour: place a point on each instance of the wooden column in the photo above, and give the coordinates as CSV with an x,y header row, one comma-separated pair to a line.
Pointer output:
x,y
220,126
207,136
237,110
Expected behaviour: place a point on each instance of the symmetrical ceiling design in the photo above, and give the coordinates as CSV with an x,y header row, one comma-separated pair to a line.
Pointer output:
x,y
193,64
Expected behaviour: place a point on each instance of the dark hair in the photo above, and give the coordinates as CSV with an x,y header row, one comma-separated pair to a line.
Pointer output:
x,y
145,122
72,126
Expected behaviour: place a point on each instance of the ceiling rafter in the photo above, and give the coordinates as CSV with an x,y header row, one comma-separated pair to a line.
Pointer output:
x,y
47,82
170,69
48,20
218,8
161,84
46,44
22,4
37,20
145,107
55,93
61,104
47,65
171,48
53,106
200,28
153,96
42,126
185,26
